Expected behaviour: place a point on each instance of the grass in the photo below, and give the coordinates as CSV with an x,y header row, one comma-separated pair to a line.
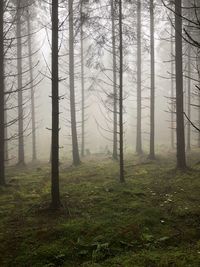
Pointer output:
x,y
151,220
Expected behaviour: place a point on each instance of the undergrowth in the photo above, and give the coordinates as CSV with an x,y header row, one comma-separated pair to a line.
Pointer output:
x,y
151,220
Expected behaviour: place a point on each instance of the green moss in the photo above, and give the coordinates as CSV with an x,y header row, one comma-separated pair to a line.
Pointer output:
x,y
151,220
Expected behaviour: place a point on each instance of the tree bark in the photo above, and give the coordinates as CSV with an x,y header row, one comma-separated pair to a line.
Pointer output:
x,y
6,134
172,87
21,160
55,110
198,66
2,98
121,128
75,150
152,97
115,146
199,115
189,100
34,155
82,87
139,83
180,131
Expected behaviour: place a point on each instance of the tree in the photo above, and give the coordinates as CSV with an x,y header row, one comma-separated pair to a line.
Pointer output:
x,y
198,94
189,99
172,83
34,155
139,84
75,150
6,133
2,98
82,84
180,131
115,145
55,110
121,128
21,160
152,97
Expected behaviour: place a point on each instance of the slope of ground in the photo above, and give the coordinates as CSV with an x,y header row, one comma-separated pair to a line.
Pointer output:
x,y
151,220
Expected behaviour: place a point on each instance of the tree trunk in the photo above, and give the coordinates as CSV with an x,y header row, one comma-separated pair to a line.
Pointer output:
x,y
139,84
34,155
172,87
115,146
198,66
152,97
82,87
75,151
121,130
6,134
180,131
199,115
189,100
2,98
21,160
55,110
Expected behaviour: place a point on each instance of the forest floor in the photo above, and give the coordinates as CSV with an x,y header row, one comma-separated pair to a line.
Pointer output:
x,y
151,220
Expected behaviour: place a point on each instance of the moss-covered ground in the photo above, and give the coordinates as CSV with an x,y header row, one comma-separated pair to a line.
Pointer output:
x,y
151,220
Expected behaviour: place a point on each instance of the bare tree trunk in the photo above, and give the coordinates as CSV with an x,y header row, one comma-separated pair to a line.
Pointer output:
x,y
180,131
6,134
189,100
121,128
34,155
198,66
199,116
21,160
75,151
55,193
152,97
139,83
115,146
2,98
82,87
172,89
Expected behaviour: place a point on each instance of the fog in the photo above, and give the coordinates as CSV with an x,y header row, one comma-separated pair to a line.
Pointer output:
x,y
97,137
99,133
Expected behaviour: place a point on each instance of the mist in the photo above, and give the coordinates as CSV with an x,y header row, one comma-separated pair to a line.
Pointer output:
x,y
99,133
